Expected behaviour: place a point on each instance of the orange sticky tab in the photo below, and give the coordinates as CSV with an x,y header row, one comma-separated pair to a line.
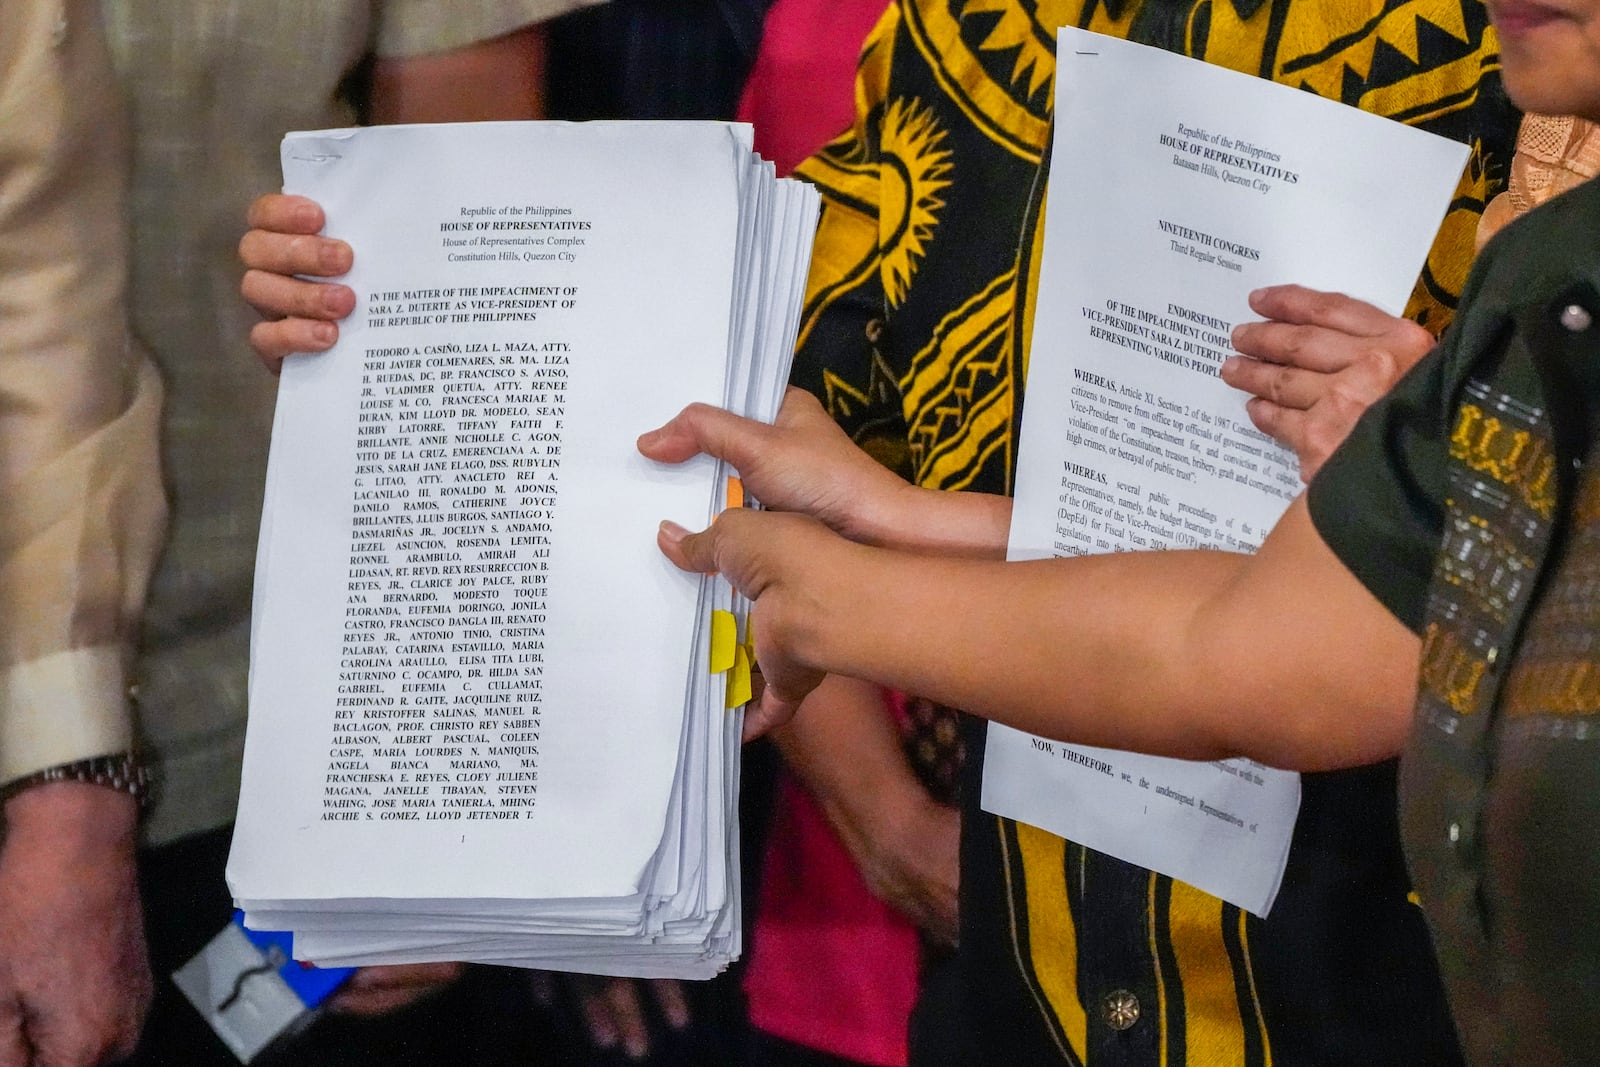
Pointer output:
x,y
739,678
735,493
724,640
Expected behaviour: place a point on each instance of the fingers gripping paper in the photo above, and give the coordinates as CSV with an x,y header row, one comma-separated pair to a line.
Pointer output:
x,y
1205,185
483,723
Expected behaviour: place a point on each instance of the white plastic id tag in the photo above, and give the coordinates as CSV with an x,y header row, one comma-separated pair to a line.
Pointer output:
x,y
250,990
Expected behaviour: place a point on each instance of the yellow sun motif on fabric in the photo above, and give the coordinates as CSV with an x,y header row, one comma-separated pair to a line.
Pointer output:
x,y
1007,98
914,169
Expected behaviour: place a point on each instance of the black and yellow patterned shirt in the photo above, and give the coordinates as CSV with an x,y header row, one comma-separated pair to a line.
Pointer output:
x,y
918,313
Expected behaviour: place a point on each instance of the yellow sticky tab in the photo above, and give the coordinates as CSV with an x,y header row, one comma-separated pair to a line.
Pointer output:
x,y
735,493
739,678
724,640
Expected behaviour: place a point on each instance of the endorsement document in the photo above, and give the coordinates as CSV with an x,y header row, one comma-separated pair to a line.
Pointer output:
x,y
1165,211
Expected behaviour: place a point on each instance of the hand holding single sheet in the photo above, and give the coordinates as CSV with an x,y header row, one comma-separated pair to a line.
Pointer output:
x,y
1316,364
1209,186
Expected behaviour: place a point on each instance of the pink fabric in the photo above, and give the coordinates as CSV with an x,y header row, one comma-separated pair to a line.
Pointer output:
x,y
801,92
831,966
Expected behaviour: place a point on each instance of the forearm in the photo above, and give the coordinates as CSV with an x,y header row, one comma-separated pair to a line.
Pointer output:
x,y
1084,649
844,747
1194,654
935,522
501,78
66,817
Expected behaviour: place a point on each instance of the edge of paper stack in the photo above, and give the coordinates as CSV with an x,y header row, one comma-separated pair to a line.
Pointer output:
x,y
680,916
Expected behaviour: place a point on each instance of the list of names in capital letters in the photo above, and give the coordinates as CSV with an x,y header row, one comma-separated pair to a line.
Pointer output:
x,y
458,459
1175,454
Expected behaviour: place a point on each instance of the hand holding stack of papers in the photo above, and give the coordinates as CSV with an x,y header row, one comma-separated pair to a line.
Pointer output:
x,y
488,720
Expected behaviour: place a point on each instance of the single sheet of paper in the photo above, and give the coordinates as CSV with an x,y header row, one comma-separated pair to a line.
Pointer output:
x,y
1164,213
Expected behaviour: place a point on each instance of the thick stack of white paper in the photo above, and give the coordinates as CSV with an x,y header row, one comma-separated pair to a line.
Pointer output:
x,y
484,723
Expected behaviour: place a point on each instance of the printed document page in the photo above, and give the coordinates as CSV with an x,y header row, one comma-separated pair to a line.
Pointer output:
x,y
466,639
1165,211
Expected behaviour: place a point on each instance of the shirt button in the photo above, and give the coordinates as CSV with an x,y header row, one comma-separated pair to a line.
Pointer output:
x,y
1576,318
1120,1009
875,330
1463,835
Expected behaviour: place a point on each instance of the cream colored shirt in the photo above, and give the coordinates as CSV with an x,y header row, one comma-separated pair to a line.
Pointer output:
x,y
80,491
214,85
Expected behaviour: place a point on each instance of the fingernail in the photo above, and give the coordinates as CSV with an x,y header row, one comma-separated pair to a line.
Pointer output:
x,y
333,258
672,531
330,298
324,333
305,217
1257,294
648,438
